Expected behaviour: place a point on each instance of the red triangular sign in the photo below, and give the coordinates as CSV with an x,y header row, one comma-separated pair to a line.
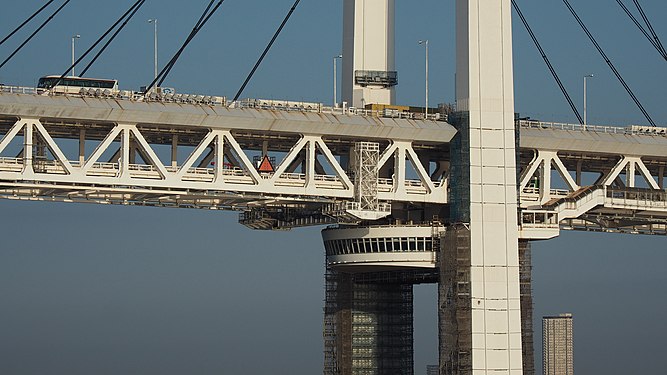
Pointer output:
x,y
265,166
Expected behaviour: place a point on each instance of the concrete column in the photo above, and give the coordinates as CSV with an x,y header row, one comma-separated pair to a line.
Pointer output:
x,y
368,46
482,295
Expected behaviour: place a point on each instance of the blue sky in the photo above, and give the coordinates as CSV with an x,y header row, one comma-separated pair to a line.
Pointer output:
x,y
109,290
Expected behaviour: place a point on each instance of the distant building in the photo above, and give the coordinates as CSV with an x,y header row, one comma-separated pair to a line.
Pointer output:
x,y
557,345
432,370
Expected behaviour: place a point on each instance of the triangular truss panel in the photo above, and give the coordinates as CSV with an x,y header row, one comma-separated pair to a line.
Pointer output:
x,y
218,158
306,165
625,173
537,177
12,142
408,174
114,162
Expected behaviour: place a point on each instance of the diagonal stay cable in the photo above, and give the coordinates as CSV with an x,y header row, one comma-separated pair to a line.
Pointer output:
x,y
34,33
104,47
173,58
611,65
266,50
202,21
167,68
98,41
546,60
641,28
650,27
25,22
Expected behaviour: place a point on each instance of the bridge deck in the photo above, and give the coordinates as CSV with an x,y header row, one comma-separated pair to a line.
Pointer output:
x,y
169,114
220,141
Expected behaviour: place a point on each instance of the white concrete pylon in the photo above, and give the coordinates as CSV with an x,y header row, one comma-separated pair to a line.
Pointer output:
x,y
368,52
490,333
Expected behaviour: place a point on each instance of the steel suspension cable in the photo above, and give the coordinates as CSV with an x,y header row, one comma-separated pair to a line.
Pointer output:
x,y
266,50
642,29
611,65
34,33
650,27
167,68
26,21
546,60
104,47
137,4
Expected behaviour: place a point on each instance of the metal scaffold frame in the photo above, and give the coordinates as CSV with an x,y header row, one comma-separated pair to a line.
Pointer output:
x,y
366,159
526,294
367,325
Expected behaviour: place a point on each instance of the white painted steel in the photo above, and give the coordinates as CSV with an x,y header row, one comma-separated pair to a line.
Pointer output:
x,y
424,186
114,175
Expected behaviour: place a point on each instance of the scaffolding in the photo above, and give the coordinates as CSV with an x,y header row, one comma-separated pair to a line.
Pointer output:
x,y
454,302
526,295
366,159
368,325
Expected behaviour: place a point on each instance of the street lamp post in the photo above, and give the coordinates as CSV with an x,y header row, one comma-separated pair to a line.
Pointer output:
x,y
425,43
335,80
74,38
585,113
154,22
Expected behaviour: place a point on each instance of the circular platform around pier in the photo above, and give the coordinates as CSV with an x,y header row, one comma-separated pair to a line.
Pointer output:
x,y
365,249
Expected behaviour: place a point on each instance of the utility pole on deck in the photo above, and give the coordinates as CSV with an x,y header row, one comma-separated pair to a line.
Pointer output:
x,y
425,42
155,65
74,38
586,76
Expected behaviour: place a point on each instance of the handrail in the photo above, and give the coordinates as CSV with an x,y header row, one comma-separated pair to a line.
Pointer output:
x,y
262,104
609,129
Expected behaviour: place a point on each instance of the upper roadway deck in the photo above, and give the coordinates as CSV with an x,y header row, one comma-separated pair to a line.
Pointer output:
x,y
316,119
634,140
221,139
262,116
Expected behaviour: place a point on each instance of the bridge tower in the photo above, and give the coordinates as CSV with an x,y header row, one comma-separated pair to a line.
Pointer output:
x,y
479,298
369,73
479,276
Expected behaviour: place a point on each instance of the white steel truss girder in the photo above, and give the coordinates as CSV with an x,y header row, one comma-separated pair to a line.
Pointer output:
x,y
401,151
224,166
629,165
543,161
614,193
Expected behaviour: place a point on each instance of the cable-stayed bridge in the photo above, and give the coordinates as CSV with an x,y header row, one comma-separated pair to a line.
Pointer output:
x,y
451,197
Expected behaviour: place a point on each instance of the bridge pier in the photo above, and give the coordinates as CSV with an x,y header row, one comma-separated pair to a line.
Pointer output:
x,y
370,325
368,314
479,298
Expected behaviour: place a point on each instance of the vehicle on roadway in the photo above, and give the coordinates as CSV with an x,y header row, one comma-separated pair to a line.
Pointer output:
x,y
75,85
